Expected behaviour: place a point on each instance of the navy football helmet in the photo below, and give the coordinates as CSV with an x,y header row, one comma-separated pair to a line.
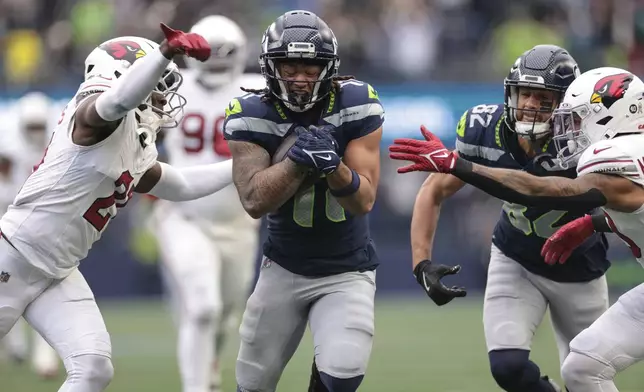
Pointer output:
x,y
546,67
299,36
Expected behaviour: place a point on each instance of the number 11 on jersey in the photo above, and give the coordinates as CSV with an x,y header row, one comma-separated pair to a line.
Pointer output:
x,y
304,208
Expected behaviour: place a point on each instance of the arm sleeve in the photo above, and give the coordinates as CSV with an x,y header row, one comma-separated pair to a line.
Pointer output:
x,y
133,87
194,182
591,199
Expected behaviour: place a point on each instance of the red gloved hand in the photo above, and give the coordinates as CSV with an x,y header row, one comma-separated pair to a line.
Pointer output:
x,y
189,44
429,155
561,244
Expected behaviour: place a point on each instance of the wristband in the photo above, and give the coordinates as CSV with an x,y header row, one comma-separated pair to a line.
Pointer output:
x,y
349,189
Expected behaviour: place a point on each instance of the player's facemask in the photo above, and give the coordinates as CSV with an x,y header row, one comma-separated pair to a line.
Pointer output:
x,y
535,127
151,118
155,118
569,137
297,99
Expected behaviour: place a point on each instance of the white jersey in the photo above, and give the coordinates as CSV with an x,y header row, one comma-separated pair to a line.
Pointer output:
x,y
68,201
623,156
199,140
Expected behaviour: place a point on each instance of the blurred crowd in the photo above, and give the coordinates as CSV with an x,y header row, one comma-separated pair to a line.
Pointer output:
x,y
44,43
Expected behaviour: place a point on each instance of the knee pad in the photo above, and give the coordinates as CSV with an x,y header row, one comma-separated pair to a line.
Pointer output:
x,y
343,359
508,367
579,371
90,369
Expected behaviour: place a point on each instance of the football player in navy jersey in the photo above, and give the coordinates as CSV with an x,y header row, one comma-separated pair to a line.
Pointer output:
x,y
319,260
520,285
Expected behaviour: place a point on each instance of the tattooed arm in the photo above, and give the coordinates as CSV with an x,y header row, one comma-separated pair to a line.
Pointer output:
x,y
263,188
583,193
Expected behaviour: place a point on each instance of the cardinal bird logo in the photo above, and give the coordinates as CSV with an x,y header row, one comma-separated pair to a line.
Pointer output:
x,y
129,51
611,88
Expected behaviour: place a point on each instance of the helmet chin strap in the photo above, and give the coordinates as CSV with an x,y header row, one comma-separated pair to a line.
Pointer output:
x,y
149,124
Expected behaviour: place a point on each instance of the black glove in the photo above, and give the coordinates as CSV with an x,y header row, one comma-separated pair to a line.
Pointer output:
x,y
316,150
429,276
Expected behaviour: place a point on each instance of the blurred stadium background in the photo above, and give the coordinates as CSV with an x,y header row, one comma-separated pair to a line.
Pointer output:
x,y
430,60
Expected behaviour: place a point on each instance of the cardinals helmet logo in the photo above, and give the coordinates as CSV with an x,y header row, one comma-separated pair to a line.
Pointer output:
x,y
611,88
129,51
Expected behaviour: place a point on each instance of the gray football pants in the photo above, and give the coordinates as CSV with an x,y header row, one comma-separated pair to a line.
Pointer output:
x,y
516,301
340,312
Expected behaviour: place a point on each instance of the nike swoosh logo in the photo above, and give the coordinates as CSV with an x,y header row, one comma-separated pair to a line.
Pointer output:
x,y
325,157
427,286
575,95
598,150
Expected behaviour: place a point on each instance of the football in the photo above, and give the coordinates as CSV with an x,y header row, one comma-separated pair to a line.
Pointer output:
x,y
280,155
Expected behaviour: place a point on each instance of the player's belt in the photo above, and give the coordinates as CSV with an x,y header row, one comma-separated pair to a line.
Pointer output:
x,y
6,239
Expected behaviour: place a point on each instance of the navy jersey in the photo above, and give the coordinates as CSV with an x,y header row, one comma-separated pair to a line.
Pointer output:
x,y
484,138
311,234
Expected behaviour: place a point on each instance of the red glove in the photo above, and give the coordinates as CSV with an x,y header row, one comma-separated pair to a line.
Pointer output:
x,y
190,44
429,155
562,243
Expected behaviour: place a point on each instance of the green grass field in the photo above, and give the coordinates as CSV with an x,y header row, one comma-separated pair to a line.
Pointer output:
x,y
418,347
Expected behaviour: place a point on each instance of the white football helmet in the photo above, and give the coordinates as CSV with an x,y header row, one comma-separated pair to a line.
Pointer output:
x,y
114,57
229,51
600,104
33,118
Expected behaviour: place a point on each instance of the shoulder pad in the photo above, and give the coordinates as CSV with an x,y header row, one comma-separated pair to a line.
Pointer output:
x,y
95,84
357,106
478,132
355,92
247,105
249,118
608,157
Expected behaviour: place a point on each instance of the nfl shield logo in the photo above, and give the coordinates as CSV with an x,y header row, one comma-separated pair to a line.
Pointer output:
x,y
4,277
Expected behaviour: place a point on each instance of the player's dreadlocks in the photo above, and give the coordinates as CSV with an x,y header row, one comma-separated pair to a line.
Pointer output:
x,y
266,94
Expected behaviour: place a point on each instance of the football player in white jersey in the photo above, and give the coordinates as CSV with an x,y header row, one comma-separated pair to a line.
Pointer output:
x,y
102,150
28,143
599,127
208,246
